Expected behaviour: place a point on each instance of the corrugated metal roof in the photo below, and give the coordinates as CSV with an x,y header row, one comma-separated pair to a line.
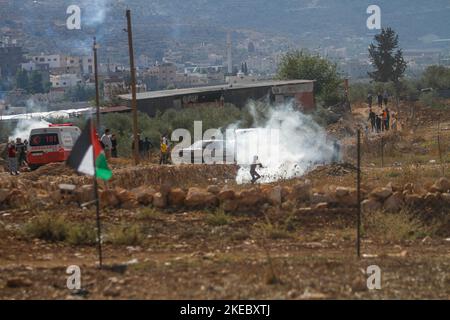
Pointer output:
x,y
224,87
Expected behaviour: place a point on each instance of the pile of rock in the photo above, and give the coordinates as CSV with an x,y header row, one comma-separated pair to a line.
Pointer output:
x,y
393,198
301,196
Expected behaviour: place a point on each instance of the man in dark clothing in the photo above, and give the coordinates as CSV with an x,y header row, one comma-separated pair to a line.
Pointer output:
x,y
369,100
388,119
147,146
378,123
255,175
372,119
21,152
380,100
114,146
12,158
385,98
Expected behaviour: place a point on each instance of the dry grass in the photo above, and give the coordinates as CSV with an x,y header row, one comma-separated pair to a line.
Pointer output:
x,y
130,235
53,228
149,214
218,218
395,226
46,227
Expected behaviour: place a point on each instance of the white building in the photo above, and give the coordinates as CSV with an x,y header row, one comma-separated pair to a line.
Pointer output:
x,y
65,80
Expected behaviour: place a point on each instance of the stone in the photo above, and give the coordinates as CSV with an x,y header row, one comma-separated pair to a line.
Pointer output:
x,y
370,205
301,192
442,185
394,203
159,201
226,194
381,193
85,194
251,197
230,205
197,197
320,198
3,195
213,189
287,205
176,197
412,200
446,198
18,283
144,195
108,199
342,192
274,196
322,206
126,198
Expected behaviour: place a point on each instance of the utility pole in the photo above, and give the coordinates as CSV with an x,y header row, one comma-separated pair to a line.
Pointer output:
x,y
97,94
133,89
358,189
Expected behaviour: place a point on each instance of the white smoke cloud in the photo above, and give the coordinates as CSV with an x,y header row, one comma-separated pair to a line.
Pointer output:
x,y
24,128
95,11
302,143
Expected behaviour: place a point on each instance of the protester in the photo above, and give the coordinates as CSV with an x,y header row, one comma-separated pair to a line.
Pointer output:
x,y
388,119
378,123
337,151
372,119
394,122
107,144
21,153
12,158
369,100
380,100
147,146
383,119
164,151
255,175
385,98
113,146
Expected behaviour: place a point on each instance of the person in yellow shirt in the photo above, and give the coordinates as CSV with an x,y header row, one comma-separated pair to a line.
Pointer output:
x,y
164,150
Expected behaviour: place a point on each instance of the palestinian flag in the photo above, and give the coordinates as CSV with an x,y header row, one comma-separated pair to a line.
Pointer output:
x,y
87,155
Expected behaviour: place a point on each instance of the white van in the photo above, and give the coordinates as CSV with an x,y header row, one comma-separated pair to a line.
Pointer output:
x,y
51,144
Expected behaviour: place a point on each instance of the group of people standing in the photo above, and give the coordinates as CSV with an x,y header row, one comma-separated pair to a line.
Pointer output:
x,y
383,121
109,144
17,155
144,147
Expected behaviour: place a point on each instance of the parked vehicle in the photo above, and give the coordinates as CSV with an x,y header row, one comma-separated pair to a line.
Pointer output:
x,y
207,151
51,144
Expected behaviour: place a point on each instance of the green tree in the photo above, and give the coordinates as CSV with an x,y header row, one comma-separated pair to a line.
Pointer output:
x,y
22,79
302,65
387,59
436,77
35,83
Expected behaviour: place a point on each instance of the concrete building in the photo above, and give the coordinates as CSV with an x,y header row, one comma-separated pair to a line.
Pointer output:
x,y
299,91
63,64
65,80
161,76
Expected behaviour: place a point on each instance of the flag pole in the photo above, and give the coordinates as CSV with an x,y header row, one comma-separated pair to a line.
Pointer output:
x,y
97,208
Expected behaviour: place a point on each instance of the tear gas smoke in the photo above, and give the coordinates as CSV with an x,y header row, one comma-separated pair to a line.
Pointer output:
x,y
24,128
301,144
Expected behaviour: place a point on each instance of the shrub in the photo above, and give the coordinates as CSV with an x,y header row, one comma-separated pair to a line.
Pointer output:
x,y
218,218
81,234
46,227
396,226
125,235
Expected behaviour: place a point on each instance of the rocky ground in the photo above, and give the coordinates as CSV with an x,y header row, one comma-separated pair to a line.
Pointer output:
x,y
189,232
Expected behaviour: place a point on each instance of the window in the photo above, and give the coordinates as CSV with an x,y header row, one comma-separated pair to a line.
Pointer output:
x,y
45,139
